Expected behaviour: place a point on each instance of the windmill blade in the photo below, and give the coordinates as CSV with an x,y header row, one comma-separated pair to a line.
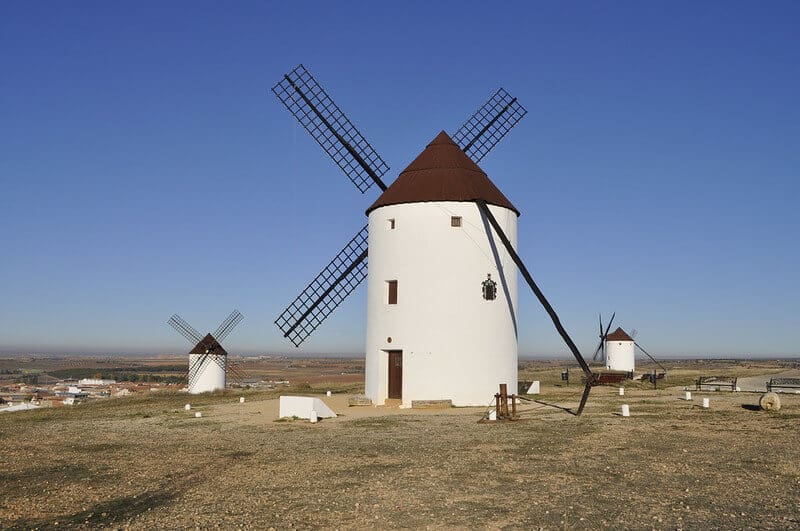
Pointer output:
x,y
591,378
334,132
197,368
227,325
327,291
490,123
600,347
184,328
605,334
235,372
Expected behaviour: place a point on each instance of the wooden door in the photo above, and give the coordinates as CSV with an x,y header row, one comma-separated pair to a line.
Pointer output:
x,y
395,374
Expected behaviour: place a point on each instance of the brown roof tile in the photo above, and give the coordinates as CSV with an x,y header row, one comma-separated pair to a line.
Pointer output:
x,y
618,335
442,172
209,345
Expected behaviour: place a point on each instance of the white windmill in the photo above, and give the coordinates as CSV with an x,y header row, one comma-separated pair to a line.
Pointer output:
x,y
208,361
442,281
617,350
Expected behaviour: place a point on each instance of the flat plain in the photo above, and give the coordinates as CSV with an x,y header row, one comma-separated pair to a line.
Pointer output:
x,y
143,461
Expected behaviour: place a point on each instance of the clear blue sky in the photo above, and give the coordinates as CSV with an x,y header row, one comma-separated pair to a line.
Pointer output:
x,y
146,168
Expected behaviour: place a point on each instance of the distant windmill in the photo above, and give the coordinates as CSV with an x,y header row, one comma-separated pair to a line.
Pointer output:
x,y
616,350
433,257
208,361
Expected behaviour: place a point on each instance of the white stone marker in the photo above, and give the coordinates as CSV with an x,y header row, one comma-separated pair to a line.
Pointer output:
x,y
198,414
626,411
313,417
241,400
187,407
621,391
688,395
706,403
493,415
328,393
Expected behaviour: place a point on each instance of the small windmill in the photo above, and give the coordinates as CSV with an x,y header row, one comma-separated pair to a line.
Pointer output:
x,y
616,350
445,174
208,360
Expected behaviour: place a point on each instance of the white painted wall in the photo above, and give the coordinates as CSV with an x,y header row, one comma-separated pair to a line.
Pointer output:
x,y
620,355
212,375
455,344
303,406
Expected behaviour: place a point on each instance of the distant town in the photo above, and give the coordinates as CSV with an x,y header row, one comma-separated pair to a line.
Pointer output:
x,y
32,382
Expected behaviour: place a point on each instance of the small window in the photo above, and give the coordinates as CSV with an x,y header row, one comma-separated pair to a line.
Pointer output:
x,y
455,221
390,223
392,291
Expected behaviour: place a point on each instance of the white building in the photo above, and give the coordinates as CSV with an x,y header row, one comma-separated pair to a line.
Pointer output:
x,y
95,381
441,288
620,350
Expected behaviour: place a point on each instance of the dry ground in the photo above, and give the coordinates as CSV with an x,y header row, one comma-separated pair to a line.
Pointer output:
x,y
145,462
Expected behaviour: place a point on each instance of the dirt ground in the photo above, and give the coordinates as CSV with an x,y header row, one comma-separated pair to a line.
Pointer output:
x,y
144,462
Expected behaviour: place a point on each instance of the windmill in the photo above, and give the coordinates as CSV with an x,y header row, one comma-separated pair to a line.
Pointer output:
x,y
208,360
616,350
459,186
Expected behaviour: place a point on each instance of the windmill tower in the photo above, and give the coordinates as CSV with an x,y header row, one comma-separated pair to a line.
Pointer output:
x,y
619,349
433,332
208,360
440,306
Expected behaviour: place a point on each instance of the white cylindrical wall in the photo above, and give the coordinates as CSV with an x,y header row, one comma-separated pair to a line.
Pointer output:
x,y
210,377
456,345
619,355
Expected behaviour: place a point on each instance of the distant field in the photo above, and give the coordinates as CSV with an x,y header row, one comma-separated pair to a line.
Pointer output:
x,y
144,462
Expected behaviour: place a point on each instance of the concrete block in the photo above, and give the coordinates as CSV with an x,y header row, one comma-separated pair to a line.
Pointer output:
x,y
534,389
304,407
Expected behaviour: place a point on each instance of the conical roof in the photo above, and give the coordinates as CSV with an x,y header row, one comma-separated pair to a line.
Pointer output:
x,y
618,335
442,172
209,345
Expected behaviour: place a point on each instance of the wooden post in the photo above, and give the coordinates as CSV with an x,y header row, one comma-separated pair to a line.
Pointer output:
x,y
504,400
514,405
497,406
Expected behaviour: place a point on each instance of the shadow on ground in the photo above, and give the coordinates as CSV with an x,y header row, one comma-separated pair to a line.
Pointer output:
x,y
110,512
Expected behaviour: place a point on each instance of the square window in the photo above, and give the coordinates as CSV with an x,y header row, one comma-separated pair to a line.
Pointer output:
x,y
392,291
390,223
455,221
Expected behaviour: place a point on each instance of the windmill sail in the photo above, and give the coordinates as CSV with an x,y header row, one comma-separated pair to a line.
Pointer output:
x,y
227,325
327,291
184,328
489,124
334,132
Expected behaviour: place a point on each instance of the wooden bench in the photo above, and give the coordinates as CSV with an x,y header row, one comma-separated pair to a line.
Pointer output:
x,y
783,383
716,382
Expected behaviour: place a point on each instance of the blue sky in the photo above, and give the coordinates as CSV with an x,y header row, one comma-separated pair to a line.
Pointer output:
x,y
146,169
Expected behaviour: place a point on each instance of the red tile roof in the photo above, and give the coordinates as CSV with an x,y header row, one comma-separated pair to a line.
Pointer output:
x,y
442,172
208,345
618,335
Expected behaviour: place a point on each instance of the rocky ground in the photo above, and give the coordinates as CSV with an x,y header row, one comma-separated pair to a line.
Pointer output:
x,y
145,462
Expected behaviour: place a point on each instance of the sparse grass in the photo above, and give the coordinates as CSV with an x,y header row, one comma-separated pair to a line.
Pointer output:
x,y
142,462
